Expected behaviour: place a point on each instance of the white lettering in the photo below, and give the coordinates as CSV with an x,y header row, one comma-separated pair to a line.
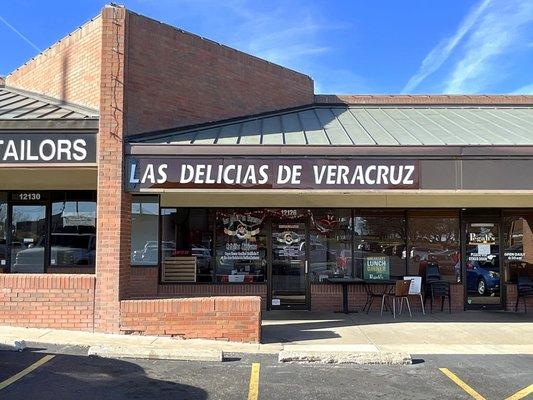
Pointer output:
x,y
370,169
133,179
284,174
162,171
407,180
319,175
184,178
148,174
42,148
80,153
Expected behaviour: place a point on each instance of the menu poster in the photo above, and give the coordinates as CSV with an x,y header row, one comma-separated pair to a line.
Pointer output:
x,y
376,268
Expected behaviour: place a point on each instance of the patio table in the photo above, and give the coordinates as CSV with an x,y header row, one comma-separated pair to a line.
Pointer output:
x,y
345,282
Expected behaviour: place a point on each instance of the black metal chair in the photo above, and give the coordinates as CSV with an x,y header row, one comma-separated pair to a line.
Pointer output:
x,y
432,275
440,289
524,289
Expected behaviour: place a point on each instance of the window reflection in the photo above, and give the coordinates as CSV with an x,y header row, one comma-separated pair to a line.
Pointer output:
x,y
73,232
434,239
380,245
144,230
330,247
518,247
186,243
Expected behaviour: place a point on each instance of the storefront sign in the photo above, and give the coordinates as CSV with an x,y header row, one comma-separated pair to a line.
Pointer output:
x,y
269,173
376,268
47,148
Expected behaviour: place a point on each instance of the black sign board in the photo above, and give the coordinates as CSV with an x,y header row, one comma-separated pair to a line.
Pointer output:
x,y
270,173
47,148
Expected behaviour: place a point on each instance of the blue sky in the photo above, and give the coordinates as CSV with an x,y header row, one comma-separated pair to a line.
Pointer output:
x,y
352,46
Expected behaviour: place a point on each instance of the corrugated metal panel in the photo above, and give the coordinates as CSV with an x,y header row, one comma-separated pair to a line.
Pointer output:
x,y
16,104
371,125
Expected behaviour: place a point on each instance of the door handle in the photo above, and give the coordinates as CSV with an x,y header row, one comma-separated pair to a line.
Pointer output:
x,y
306,266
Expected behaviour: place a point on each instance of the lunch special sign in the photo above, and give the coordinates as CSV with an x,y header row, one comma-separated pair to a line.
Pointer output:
x,y
270,173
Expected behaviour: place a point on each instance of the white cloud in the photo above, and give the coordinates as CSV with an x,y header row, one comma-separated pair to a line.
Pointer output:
x,y
498,33
440,53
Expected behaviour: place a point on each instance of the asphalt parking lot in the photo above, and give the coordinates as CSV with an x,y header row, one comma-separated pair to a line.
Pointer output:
x,y
68,373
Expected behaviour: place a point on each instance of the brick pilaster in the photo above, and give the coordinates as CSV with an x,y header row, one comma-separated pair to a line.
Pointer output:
x,y
113,207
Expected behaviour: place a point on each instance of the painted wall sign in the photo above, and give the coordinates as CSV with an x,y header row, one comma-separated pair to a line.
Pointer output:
x,y
271,173
47,148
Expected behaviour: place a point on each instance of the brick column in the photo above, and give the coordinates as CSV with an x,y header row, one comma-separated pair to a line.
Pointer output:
x,y
113,208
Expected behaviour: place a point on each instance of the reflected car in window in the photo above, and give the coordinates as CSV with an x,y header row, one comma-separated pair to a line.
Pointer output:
x,y
66,250
483,276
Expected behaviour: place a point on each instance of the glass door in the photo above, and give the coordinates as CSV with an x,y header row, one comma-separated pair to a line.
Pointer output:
x,y
482,264
28,233
289,265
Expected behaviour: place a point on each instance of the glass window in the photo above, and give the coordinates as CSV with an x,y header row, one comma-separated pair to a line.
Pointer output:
x,y
3,232
380,248
144,230
434,239
73,230
186,245
518,246
330,244
241,246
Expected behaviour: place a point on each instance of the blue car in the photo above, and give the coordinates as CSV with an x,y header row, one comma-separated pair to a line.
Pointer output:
x,y
483,277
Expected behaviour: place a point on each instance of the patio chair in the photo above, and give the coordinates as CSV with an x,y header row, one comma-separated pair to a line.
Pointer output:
x,y
401,292
524,289
440,289
416,289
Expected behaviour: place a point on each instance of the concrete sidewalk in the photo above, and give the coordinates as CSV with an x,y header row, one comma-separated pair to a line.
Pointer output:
x,y
465,333
473,332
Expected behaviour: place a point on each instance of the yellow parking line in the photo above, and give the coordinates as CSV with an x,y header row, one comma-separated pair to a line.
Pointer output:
x,y
253,391
25,371
461,384
521,394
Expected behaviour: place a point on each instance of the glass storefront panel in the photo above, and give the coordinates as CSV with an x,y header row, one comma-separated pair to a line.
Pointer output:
x,y
28,238
518,247
330,244
73,230
380,245
482,262
145,230
241,246
186,244
434,238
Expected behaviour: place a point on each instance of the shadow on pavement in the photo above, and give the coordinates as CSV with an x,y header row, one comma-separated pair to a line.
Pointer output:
x,y
81,377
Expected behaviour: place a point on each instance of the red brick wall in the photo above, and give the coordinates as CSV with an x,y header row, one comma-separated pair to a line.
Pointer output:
x,y
68,70
176,78
113,204
183,290
328,297
143,282
512,293
47,301
222,318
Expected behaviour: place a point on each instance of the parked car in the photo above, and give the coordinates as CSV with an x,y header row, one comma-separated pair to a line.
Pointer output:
x,y
483,276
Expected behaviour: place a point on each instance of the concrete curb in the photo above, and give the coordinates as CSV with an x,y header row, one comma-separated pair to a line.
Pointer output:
x,y
13,345
155,353
344,357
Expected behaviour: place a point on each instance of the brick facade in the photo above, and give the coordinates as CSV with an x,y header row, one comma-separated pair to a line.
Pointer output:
x,y
511,295
175,78
223,318
69,70
47,301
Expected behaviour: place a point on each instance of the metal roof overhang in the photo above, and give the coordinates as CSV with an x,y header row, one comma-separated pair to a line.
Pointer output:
x,y
452,151
51,124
